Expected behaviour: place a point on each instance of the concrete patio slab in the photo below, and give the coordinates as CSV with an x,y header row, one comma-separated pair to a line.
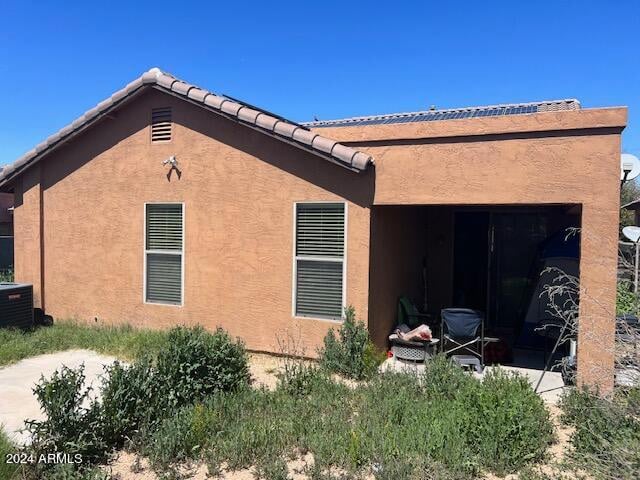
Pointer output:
x,y
550,389
17,401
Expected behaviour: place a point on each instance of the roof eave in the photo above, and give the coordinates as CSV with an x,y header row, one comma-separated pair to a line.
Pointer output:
x,y
29,159
314,143
290,141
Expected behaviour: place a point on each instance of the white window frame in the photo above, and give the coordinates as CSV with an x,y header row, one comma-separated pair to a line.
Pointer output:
x,y
145,252
296,258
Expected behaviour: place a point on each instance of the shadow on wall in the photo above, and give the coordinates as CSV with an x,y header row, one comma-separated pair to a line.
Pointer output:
x,y
6,253
133,117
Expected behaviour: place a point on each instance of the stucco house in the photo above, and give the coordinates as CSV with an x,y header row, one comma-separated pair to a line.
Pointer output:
x,y
169,204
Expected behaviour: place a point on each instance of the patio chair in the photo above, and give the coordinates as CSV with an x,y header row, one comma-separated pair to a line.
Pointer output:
x,y
462,333
408,314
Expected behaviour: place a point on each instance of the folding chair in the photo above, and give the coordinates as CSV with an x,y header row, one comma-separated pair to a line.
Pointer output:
x,y
408,314
463,330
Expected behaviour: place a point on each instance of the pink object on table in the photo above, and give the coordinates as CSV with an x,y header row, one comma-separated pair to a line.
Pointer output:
x,y
421,332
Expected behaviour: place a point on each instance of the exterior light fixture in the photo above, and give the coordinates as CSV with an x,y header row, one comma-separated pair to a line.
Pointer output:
x,y
173,163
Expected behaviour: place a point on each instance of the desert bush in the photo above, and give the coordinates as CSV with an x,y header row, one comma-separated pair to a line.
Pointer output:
x,y
444,424
351,353
131,401
606,438
72,422
6,275
69,472
626,301
176,440
192,365
8,471
296,374
297,378
256,427
396,425
196,363
512,425
453,419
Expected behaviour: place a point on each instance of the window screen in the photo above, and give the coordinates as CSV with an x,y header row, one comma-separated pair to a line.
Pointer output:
x,y
319,263
163,251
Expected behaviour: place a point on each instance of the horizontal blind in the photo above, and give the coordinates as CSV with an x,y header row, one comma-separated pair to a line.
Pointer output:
x,y
320,229
161,124
319,289
164,227
164,278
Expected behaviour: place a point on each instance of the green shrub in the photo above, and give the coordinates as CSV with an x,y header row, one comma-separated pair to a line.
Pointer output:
x,y
257,427
6,275
512,425
176,439
130,401
297,377
195,364
192,365
8,471
352,353
72,422
453,419
626,301
194,402
628,398
70,472
444,425
606,436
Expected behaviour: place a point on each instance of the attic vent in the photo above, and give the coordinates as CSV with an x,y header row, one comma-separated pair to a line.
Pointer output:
x,y
161,124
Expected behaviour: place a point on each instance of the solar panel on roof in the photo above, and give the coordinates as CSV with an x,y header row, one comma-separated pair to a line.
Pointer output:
x,y
435,115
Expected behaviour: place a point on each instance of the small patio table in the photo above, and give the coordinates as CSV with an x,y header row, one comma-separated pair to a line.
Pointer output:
x,y
414,351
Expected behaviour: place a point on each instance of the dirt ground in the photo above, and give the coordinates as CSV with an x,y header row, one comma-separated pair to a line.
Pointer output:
x,y
128,466
263,367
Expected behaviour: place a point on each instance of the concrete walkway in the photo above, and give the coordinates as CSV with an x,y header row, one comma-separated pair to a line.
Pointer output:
x,y
17,401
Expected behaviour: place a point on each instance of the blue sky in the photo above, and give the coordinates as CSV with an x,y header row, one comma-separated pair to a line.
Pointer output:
x,y
325,59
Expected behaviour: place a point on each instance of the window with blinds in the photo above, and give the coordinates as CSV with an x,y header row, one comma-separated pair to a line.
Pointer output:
x,y
161,124
163,253
319,260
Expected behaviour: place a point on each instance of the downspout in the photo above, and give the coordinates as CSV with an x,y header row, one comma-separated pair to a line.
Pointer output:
x,y
42,297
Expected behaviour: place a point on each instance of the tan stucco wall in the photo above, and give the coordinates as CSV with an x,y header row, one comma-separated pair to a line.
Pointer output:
x,y
549,158
398,245
238,187
27,221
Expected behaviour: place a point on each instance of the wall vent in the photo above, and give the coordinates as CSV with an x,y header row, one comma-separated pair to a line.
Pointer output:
x,y
161,124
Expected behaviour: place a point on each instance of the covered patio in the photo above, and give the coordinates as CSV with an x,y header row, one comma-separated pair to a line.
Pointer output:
x,y
491,258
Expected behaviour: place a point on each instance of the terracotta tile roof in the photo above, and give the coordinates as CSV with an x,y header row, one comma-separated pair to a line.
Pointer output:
x,y
451,114
235,110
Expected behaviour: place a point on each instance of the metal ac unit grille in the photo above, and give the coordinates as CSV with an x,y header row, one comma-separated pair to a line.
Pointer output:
x,y
161,124
16,305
